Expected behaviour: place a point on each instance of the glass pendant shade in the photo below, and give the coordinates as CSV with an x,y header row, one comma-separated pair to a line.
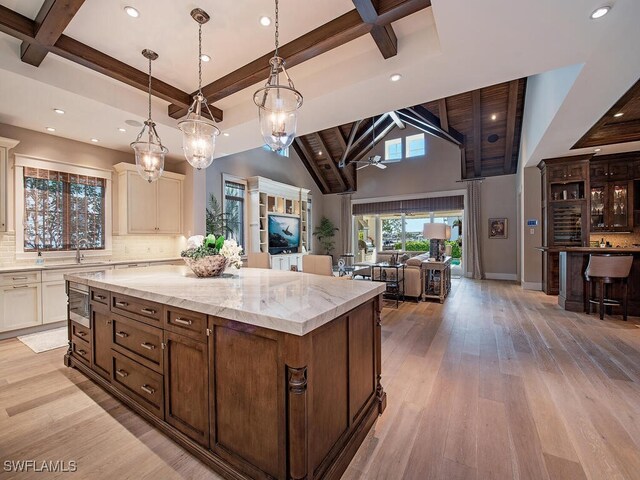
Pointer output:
x,y
198,139
278,108
149,155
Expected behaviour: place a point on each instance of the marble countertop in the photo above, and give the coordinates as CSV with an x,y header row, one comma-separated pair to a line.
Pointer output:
x,y
290,302
591,249
87,264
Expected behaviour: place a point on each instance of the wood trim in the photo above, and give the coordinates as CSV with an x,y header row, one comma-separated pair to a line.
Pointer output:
x,y
349,146
332,163
333,34
383,35
477,132
23,28
348,171
398,121
512,108
312,168
50,23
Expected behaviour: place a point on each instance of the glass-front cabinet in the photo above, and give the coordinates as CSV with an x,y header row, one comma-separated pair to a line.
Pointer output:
x,y
610,207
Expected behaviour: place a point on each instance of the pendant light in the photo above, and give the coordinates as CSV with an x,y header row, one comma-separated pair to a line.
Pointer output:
x,y
149,152
278,104
199,133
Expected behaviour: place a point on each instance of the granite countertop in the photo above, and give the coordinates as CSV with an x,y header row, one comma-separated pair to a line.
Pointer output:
x,y
591,249
86,264
290,302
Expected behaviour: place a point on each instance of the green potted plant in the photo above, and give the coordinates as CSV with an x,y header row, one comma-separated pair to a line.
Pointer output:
x,y
325,232
210,256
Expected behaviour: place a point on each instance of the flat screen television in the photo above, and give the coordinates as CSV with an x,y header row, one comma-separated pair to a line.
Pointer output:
x,y
284,234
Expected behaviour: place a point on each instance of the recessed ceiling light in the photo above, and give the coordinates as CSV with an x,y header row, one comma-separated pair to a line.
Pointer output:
x,y
265,21
59,111
133,123
205,58
132,12
122,129
226,134
320,152
600,12
597,149
395,77
494,116
95,140
619,114
51,129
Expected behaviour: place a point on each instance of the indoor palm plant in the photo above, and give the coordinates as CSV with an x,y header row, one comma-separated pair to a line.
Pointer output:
x,y
325,232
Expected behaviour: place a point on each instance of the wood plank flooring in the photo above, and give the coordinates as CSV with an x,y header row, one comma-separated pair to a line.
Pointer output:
x,y
496,383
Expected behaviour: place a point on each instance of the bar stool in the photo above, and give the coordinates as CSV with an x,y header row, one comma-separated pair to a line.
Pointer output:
x,y
605,270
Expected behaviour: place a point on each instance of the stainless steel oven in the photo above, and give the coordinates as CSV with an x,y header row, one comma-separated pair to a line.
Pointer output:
x,y
78,295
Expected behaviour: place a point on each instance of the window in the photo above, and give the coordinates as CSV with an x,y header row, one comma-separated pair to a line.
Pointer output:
x,y
62,210
393,149
234,197
415,145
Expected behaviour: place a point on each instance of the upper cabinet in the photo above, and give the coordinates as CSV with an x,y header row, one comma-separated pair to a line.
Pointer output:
x,y
149,208
611,170
5,145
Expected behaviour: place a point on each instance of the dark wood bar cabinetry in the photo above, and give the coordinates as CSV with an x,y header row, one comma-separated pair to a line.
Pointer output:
x,y
250,402
584,195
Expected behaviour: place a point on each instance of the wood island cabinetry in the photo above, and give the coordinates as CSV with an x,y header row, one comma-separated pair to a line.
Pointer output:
x,y
250,401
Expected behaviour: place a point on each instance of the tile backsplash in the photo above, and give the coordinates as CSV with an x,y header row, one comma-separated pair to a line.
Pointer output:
x,y
618,239
124,247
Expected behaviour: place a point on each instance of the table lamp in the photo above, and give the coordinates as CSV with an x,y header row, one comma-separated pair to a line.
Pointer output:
x,y
435,232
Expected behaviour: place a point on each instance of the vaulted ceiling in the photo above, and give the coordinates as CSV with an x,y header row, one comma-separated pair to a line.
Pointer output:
x,y
486,124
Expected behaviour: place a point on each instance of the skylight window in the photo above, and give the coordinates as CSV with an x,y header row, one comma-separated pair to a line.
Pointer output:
x,y
393,149
415,145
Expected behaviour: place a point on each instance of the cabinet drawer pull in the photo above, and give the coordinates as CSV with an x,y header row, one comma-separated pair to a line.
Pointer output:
x,y
21,286
81,352
122,373
122,304
148,346
148,311
148,389
101,297
81,334
19,278
122,334
182,321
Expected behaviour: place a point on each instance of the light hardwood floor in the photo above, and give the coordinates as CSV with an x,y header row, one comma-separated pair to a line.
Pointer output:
x,y
497,383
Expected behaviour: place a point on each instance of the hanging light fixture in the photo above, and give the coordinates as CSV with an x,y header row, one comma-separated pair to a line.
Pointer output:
x,y
149,152
198,133
278,104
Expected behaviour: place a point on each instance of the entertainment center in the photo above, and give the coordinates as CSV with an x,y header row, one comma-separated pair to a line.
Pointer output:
x,y
279,221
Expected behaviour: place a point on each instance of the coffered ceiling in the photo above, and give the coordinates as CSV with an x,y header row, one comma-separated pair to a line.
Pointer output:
x,y
452,47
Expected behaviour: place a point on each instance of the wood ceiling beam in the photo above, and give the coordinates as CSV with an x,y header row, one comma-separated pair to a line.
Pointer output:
x,y
383,35
512,108
348,172
383,125
443,114
426,115
347,149
367,132
332,164
50,23
398,121
365,151
333,34
307,159
411,117
23,28
477,132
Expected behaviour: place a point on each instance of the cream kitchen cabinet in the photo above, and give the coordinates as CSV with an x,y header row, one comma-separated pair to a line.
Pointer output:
x,y
148,208
20,305
54,302
5,145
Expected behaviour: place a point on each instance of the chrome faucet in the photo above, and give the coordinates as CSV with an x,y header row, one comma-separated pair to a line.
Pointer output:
x,y
80,242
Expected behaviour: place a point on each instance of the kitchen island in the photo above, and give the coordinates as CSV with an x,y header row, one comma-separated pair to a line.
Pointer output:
x,y
572,265
260,374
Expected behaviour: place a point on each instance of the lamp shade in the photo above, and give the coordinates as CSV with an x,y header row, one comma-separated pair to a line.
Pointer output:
x,y
434,231
448,233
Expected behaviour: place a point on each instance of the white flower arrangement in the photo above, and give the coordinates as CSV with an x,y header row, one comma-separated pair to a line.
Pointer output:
x,y
232,252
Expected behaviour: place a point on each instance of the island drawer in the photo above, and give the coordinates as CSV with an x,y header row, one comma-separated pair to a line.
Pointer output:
x,y
139,341
141,384
80,333
100,296
185,322
82,351
136,308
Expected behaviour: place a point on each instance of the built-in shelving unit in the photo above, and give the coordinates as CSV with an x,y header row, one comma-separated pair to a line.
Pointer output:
x,y
267,197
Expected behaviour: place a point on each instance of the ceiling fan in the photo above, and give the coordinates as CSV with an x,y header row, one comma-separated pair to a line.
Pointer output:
x,y
375,160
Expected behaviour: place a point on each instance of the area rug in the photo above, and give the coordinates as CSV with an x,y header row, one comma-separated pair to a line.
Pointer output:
x,y
47,340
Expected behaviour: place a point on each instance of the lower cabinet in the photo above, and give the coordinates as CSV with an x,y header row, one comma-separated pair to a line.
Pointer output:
x,y
101,335
20,306
186,385
54,302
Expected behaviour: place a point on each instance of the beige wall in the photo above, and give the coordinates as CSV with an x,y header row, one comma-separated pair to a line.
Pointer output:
x,y
50,147
531,258
439,171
